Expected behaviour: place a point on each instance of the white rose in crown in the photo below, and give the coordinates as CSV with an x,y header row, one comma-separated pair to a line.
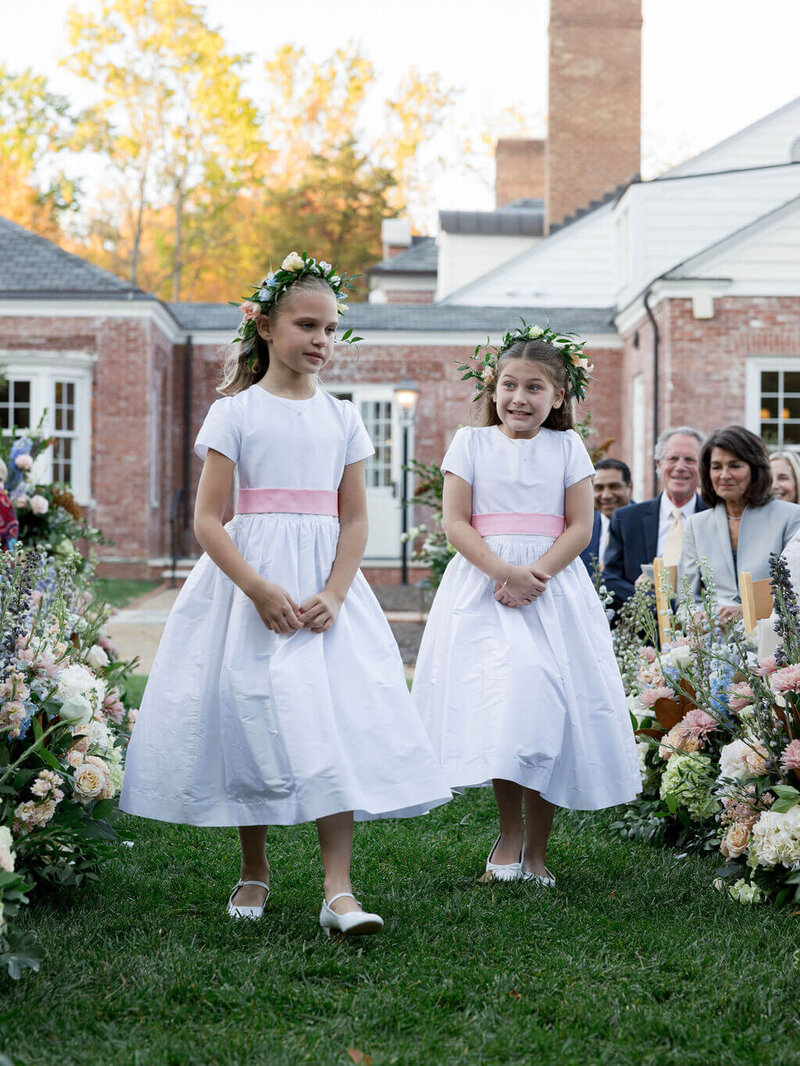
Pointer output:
x,y
293,262
76,710
534,332
324,266
39,504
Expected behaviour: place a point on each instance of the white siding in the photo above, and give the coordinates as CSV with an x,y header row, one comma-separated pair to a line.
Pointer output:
x,y
463,257
673,220
572,268
769,140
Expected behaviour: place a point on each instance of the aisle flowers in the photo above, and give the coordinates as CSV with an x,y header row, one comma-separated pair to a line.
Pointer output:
x,y
63,731
719,743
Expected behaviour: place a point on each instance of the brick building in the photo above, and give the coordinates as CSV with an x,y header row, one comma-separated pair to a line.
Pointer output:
x,y
686,287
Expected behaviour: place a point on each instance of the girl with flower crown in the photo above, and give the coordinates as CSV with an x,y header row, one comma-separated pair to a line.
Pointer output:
x,y
278,695
516,677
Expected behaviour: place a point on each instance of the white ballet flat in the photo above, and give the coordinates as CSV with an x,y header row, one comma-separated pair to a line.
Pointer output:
x,y
247,912
510,871
353,923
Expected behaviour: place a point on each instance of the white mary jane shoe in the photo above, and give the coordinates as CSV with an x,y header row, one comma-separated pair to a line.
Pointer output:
x,y
353,923
247,912
510,871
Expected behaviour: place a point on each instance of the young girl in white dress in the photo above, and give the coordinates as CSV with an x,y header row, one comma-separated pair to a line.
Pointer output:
x,y
278,695
516,678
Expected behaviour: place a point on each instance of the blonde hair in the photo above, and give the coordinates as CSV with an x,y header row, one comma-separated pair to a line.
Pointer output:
x,y
552,360
794,465
245,363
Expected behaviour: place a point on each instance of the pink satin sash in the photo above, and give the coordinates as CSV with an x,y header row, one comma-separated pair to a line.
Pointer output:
x,y
542,525
288,501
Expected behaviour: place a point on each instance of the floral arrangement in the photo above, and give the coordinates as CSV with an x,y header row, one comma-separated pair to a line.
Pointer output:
x,y
719,747
49,517
63,731
266,294
483,366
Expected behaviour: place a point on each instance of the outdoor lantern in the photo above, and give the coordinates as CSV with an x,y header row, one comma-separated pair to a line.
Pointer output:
x,y
406,394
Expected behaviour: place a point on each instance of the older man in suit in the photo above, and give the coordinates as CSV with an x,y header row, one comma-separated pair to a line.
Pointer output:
x,y
639,533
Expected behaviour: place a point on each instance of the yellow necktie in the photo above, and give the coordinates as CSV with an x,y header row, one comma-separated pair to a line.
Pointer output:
x,y
674,540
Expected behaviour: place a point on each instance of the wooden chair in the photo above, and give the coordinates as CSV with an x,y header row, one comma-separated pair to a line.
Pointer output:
x,y
663,606
756,600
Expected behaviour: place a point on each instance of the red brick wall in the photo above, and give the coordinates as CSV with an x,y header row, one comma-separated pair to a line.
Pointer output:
x,y
703,361
594,101
519,170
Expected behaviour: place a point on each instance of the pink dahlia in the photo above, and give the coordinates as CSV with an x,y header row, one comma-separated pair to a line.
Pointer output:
x,y
739,695
648,696
767,666
698,724
790,759
648,653
787,679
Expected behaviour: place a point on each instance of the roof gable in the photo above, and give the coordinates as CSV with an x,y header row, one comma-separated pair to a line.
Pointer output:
x,y
33,266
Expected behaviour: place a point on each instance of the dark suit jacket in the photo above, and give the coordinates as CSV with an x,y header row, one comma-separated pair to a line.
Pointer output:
x,y
593,548
632,540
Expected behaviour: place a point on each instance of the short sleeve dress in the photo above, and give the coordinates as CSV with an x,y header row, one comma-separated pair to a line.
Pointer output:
x,y
243,726
530,694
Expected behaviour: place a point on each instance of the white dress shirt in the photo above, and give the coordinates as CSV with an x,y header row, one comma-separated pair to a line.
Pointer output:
x,y
666,518
605,523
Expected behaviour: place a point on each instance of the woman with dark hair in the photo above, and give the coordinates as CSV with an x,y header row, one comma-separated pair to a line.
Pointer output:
x,y
743,524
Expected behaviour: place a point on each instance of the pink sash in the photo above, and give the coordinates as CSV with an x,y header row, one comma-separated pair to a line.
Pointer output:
x,y
542,525
288,501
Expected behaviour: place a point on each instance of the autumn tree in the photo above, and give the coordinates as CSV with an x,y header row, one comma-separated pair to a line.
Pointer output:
x,y
35,126
174,123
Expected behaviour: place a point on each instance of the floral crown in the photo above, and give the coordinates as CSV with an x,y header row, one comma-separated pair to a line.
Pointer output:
x,y
483,365
267,293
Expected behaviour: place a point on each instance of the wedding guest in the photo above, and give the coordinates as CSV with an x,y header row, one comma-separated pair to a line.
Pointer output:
x,y
613,488
639,533
785,476
743,525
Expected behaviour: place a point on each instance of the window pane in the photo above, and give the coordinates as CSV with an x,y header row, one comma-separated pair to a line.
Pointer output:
x,y
769,407
791,433
769,381
769,433
790,407
791,381
22,392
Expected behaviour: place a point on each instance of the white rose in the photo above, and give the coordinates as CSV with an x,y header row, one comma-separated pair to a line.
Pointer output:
x,y
534,332
334,279
75,679
76,710
97,657
89,782
39,504
324,266
733,761
23,462
6,850
293,262
100,737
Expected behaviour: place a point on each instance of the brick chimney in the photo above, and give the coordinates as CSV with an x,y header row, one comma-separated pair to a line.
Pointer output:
x,y
519,170
594,102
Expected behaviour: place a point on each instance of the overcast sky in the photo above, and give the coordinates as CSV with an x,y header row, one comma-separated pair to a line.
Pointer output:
x,y
710,67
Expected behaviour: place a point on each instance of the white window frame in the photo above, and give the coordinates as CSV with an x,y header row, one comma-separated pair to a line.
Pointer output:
x,y
43,369
754,367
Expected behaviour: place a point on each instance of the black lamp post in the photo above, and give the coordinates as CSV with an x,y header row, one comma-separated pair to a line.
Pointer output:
x,y
406,395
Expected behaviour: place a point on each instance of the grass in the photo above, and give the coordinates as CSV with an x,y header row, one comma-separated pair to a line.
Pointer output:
x,y
632,959
119,592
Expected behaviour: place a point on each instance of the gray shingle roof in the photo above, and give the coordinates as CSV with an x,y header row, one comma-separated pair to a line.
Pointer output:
x,y
422,257
507,222
423,318
33,266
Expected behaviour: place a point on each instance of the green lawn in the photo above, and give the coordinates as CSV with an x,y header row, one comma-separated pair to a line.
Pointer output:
x,y
119,593
633,959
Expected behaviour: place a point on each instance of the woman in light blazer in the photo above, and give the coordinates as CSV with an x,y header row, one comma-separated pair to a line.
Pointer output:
x,y
743,524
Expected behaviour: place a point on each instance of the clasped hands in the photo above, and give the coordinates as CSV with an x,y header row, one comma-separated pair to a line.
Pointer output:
x,y
281,614
523,585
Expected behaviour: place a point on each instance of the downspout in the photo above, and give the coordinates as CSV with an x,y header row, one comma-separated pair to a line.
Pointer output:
x,y
187,438
656,338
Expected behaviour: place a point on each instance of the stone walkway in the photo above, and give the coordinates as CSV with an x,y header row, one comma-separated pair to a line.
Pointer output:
x,y
136,629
